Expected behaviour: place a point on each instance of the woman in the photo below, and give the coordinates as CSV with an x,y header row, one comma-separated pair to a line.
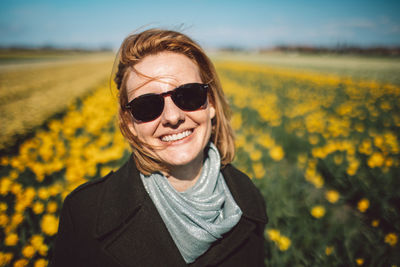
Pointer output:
x,y
177,201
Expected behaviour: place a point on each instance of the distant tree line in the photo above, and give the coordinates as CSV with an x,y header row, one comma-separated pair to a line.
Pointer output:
x,y
373,50
50,48
340,49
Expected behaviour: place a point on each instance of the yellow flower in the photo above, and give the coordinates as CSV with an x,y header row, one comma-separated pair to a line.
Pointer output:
x,y
376,160
49,224
328,250
391,239
37,241
332,196
318,211
5,258
3,207
375,223
52,207
21,263
43,249
363,205
236,121
11,239
353,166
17,219
43,193
3,219
273,234
28,251
16,188
259,170
41,263
284,243
38,207
277,153
5,185
4,161
13,174
360,261
365,147
255,155
281,241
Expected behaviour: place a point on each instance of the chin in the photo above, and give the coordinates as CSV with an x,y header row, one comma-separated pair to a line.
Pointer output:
x,y
182,158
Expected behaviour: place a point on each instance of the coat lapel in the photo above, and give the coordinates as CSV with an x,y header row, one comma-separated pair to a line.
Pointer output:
x,y
129,226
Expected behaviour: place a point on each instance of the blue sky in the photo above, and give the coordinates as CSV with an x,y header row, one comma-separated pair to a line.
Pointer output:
x,y
213,23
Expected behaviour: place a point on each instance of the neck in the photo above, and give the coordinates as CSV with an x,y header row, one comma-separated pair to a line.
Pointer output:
x,y
185,176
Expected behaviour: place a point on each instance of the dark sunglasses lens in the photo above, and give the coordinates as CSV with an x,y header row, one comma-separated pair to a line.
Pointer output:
x,y
190,97
147,108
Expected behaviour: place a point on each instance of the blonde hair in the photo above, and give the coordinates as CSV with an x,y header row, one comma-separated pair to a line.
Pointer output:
x,y
137,46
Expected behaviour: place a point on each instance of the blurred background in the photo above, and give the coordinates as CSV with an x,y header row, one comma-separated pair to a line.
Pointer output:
x,y
315,91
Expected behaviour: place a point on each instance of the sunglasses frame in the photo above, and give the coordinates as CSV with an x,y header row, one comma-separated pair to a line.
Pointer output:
x,y
164,95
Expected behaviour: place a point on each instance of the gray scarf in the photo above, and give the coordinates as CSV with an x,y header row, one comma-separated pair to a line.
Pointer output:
x,y
200,215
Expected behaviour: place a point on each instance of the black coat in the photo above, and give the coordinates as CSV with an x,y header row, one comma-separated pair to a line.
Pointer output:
x,y
112,221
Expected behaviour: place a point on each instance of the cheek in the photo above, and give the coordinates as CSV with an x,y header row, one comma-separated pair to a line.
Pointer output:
x,y
143,130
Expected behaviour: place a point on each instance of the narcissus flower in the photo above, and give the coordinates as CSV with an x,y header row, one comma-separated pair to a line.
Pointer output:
x,y
318,211
41,263
11,239
49,224
277,153
363,205
28,251
328,250
391,239
332,196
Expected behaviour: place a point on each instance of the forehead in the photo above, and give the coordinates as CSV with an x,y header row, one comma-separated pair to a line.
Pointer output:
x,y
163,68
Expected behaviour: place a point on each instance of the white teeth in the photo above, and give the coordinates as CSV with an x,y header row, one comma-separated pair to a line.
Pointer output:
x,y
175,137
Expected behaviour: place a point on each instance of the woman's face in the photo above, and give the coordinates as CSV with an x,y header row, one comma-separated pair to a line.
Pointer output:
x,y
180,135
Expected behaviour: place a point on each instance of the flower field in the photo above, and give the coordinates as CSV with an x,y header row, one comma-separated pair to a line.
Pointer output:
x,y
30,93
323,149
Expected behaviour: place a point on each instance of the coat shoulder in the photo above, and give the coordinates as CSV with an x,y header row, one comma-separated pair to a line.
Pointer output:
x,y
81,189
87,192
246,193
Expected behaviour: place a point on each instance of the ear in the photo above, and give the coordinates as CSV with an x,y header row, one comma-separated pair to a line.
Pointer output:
x,y
212,110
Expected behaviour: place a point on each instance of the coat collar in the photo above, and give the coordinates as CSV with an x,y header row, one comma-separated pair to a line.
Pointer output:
x,y
124,196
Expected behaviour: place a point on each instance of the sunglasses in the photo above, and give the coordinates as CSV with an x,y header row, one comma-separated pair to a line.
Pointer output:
x,y
187,97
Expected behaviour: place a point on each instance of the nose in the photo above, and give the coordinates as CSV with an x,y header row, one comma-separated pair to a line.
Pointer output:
x,y
172,115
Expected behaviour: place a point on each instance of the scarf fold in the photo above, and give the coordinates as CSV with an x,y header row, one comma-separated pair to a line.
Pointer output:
x,y
200,215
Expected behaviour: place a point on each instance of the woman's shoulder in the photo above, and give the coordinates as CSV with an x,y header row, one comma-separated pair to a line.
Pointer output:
x,y
239,179
89,195
245,193
105,201
97,184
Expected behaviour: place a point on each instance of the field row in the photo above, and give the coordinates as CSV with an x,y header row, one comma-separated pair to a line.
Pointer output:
x,y
32,93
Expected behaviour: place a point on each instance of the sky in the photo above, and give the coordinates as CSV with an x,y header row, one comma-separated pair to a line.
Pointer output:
x,y
247,24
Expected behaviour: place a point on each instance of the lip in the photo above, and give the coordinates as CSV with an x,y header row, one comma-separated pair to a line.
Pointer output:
x,y
178,132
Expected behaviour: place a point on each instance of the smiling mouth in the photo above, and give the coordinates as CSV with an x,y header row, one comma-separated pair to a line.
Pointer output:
x,y
176,137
